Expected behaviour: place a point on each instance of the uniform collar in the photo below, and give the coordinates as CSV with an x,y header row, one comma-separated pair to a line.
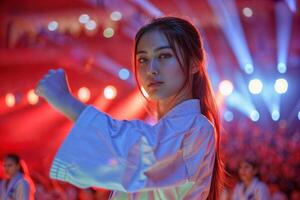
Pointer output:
x,y
187,107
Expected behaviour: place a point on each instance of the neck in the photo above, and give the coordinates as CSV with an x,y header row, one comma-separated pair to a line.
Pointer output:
x,y
164,106
247,182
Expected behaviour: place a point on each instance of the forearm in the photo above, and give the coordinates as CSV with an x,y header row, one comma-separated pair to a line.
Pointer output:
x,y
71,107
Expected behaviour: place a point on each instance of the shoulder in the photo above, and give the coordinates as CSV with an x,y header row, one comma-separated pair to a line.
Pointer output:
x,y
261,186
200,137
204,123
22,184
201,127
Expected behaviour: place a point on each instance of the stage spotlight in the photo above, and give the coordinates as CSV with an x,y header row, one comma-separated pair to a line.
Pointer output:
x,y
254,115
84,18
226,87
228,116
275,115
91,25
124,74
110,92
108,32
10,100
255,86
52,26
32,97
247,12
281,86
248,68
226,11
84,94
299,115
115,16
281,67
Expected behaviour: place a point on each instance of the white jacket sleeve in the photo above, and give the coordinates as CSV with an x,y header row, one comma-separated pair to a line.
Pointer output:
x,y
22,191
124,155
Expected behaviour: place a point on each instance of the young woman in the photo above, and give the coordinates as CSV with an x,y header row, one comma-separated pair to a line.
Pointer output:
x,y
250,187
18,185
177,158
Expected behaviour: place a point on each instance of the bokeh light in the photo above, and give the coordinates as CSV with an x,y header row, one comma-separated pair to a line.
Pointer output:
x,y
115,16
108,32
84,18
255,86
52,26
281,86
10,100
124,74
226,87
84,94
254,115
110,92
32,97
228,116
247,12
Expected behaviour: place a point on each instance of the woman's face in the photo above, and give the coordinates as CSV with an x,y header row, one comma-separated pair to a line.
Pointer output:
x,y
158,70
10,167
247,172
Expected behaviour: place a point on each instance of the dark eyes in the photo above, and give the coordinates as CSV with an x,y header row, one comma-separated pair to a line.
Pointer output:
x,y
164,55
142,60
160,57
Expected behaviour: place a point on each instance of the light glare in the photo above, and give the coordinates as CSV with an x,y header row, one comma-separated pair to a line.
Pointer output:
x,y
124,74
10,100
115,16
248,68
84,18
32,97
228,116
281,86
84,94
110,92
255,86
254,115
281,67
247,12
226,87
52,26
108,32
275,115
144,92
91,25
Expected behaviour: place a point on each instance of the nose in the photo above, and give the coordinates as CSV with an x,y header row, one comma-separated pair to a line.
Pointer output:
x,y
152,68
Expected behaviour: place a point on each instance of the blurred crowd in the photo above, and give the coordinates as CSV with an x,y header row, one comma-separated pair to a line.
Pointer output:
x,y
275,152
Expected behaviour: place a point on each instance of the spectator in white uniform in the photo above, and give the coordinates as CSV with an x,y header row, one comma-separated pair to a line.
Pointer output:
x,y
177,158
250,187
18,185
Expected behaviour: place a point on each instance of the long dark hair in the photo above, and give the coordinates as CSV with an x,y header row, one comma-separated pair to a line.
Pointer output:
x,y
184,35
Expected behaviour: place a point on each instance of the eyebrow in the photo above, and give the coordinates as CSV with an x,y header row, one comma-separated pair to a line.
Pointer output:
x,y
157,49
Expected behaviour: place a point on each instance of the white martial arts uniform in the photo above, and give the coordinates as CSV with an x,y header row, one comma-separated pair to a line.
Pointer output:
x,y
171,160
257,190
18,188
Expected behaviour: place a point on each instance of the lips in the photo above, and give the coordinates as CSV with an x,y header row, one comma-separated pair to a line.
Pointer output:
x,y
154,84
